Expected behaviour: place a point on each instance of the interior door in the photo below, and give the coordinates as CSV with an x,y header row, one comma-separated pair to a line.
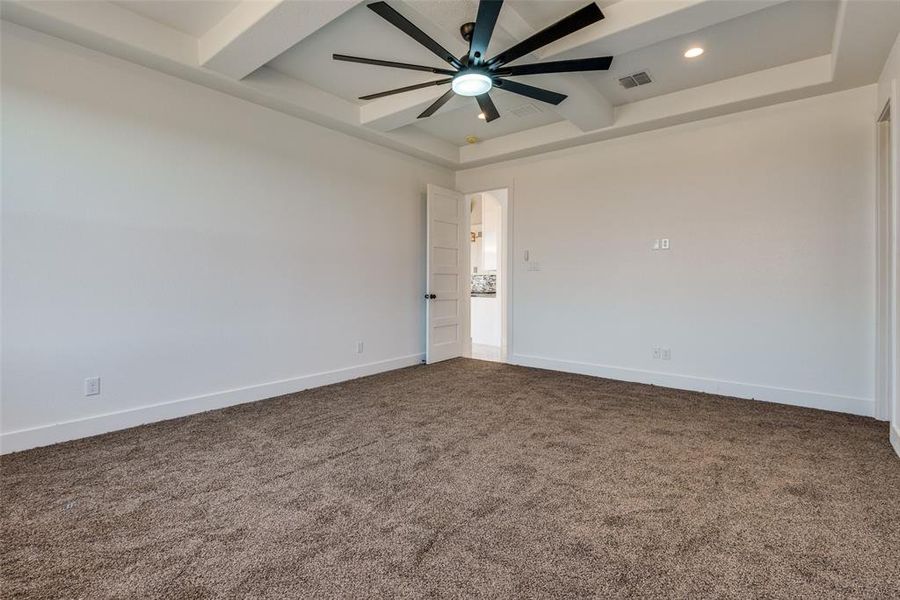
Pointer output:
x,y
446,274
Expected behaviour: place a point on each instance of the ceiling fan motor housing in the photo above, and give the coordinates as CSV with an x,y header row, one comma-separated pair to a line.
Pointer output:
x,y
466,30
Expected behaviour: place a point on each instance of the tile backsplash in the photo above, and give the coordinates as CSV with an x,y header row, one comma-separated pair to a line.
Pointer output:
x,y
483,283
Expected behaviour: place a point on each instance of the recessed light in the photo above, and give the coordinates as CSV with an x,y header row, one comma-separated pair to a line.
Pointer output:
x,y
481,116
693,52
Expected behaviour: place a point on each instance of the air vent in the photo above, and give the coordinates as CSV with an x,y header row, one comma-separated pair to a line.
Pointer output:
x,y
525,110
635,80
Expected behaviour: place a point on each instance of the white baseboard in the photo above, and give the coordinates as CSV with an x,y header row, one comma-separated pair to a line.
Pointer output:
x,y
44,435
895,439
846,404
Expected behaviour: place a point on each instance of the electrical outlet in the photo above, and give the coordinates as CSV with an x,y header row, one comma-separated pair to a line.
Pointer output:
x,y
359,347
664,243
666,354
657,352
92,386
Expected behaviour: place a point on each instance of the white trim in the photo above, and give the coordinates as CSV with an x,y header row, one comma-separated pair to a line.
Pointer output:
x,y
885,328
467,322
507,255
809,399
44,435
895,439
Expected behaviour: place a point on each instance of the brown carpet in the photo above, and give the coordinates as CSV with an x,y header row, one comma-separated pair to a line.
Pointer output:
x,y
464,479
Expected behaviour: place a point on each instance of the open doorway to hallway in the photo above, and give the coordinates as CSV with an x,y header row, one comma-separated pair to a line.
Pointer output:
x,y
488,234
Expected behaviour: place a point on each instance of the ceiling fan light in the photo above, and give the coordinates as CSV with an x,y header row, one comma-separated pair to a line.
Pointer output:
x,y
471,84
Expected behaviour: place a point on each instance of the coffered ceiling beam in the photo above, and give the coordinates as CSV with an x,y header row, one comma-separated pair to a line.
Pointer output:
x,y
778,84
108,28
393,112
863,35
633,24
257,31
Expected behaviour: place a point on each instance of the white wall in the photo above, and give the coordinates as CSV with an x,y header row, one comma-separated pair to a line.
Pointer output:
x,y
889,92
186,245
195,250
768,289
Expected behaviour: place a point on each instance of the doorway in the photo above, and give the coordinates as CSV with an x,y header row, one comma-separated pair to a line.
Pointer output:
x,y
488,274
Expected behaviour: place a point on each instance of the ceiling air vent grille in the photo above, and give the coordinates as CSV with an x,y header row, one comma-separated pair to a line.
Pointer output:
x,y
526,110
635,80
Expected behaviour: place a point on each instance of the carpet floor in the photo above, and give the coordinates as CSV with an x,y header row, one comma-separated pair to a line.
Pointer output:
x,y
464,479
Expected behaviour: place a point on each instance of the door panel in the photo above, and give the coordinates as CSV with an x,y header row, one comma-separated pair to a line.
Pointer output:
x,y
444,284
447,221
445,257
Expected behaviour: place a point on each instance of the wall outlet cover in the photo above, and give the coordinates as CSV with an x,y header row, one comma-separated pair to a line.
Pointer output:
x,y
92,386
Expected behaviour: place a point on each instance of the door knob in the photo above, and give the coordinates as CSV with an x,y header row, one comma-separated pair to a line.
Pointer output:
x,y
430,296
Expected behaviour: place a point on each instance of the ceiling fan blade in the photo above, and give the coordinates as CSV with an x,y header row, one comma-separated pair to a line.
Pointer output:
x,y
487,107
530,91
408,88
488,11
437,104
600,63
403,24
579,19
390,63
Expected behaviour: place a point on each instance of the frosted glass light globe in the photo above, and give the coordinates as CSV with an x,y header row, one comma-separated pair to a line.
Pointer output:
x,y
471,84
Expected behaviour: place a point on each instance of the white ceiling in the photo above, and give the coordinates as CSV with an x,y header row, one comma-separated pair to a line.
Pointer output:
x,y
279,53
781,34
518,114
193,17
540,13
360,32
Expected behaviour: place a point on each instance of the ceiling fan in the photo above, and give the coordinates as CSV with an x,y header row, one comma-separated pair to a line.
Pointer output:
x,y
473,74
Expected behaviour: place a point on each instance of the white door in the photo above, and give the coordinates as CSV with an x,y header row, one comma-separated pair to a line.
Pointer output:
x,y
446,274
